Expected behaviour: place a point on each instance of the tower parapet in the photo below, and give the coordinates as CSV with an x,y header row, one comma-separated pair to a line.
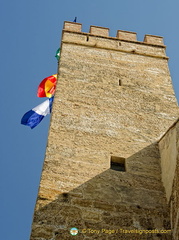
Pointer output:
x,y
124,41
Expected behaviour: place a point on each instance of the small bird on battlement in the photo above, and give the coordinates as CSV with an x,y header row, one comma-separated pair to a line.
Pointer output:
x,y
75,19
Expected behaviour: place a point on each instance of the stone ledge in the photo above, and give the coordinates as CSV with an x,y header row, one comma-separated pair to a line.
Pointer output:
x,y
115,49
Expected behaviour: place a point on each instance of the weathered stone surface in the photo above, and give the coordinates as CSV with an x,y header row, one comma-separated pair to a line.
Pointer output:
x,y
169,149
45,232
114,97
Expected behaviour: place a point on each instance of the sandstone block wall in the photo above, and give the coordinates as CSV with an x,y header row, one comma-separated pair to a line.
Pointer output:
x,y
114,97
169,151
118,201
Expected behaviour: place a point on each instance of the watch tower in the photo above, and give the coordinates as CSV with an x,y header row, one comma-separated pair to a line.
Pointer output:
x,y
102,170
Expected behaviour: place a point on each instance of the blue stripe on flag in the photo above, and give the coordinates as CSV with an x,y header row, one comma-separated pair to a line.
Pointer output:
x,y
33,117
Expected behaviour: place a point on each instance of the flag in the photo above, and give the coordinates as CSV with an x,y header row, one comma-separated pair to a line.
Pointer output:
x,y
75,19
47,87
57,54
33,117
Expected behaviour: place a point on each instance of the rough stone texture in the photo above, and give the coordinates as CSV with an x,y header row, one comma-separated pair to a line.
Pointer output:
x,y
169,149
94,118
125,35
100,31
72,26
153,39
168,152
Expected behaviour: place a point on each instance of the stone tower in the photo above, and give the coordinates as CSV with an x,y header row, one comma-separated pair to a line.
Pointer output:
x,y
102,171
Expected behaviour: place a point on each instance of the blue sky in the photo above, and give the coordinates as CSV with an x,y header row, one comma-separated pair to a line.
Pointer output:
x,y
30,36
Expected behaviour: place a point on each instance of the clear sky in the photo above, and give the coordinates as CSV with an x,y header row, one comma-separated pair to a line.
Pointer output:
x,y
30,35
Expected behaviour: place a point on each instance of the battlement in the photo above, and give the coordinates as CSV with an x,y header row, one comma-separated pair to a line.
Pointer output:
x,y
125,35
125,41
121,35
72,26
99,31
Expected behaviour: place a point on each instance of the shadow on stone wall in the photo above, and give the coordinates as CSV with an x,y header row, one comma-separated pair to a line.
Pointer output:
x,y
113,201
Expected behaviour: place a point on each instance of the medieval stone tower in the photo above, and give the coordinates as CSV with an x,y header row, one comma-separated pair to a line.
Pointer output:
x,y
111,166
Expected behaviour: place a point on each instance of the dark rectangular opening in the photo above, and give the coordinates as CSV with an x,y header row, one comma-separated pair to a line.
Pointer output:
x,y
118,164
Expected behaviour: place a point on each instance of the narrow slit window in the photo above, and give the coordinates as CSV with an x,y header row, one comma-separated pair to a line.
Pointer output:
x,y
118,164
87,38
120,82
